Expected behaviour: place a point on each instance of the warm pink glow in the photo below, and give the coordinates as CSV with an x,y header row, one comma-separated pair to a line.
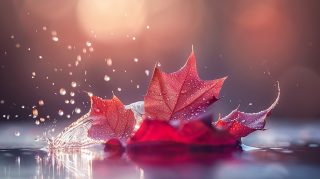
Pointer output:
x,y
107,19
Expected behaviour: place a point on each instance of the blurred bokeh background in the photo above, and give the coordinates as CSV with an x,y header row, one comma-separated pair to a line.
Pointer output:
x,y
51,52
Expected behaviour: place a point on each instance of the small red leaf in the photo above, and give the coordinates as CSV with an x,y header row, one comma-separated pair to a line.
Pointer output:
x,y
110,119
240,124
180,95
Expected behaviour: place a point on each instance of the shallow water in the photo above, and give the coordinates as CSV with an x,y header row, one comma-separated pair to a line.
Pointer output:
x,y
292,152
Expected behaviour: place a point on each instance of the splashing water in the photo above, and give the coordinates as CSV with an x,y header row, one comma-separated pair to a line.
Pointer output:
x,y
75,135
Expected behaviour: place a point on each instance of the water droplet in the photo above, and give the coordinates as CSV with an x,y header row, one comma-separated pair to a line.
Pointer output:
x,y
133,38
17,133
135,59
55,39
88,44
79,58
42,119
44,28
40,57
62,91
35,112
41,102
18,45
109,62
22,106
147,72
60,112
106,78
138,86
77,110
37,122
250,104
72,101
72,93
2,102
68,116
119,89
148,27
66,101
73,84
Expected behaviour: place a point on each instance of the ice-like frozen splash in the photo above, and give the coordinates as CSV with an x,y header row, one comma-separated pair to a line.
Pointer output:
x,y
75,135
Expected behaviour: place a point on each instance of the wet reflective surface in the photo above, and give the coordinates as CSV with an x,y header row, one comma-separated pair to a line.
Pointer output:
x,y
293,153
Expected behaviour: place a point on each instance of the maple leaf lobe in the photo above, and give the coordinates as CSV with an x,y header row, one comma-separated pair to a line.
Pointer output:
x,y
180,95
110,119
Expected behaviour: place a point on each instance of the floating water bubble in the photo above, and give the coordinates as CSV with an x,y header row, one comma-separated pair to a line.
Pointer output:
x,y
22,106
91,49
138,86
44,28
40,57
12,36
68,116
73,84
148,27
159,64
2,101
72,101
109,62
66,101
106,78
77,110
17,133
41,102
42,119
37,122
90,94
18,45
133,38
78,57
60,112
147,72
119,89
55,39
72,93
135,59
35,112
69,47
62,91
250,104
88,44
33,74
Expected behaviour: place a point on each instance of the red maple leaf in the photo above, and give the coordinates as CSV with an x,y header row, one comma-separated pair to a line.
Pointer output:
x,y
240,124
201,131
110,119
180,95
